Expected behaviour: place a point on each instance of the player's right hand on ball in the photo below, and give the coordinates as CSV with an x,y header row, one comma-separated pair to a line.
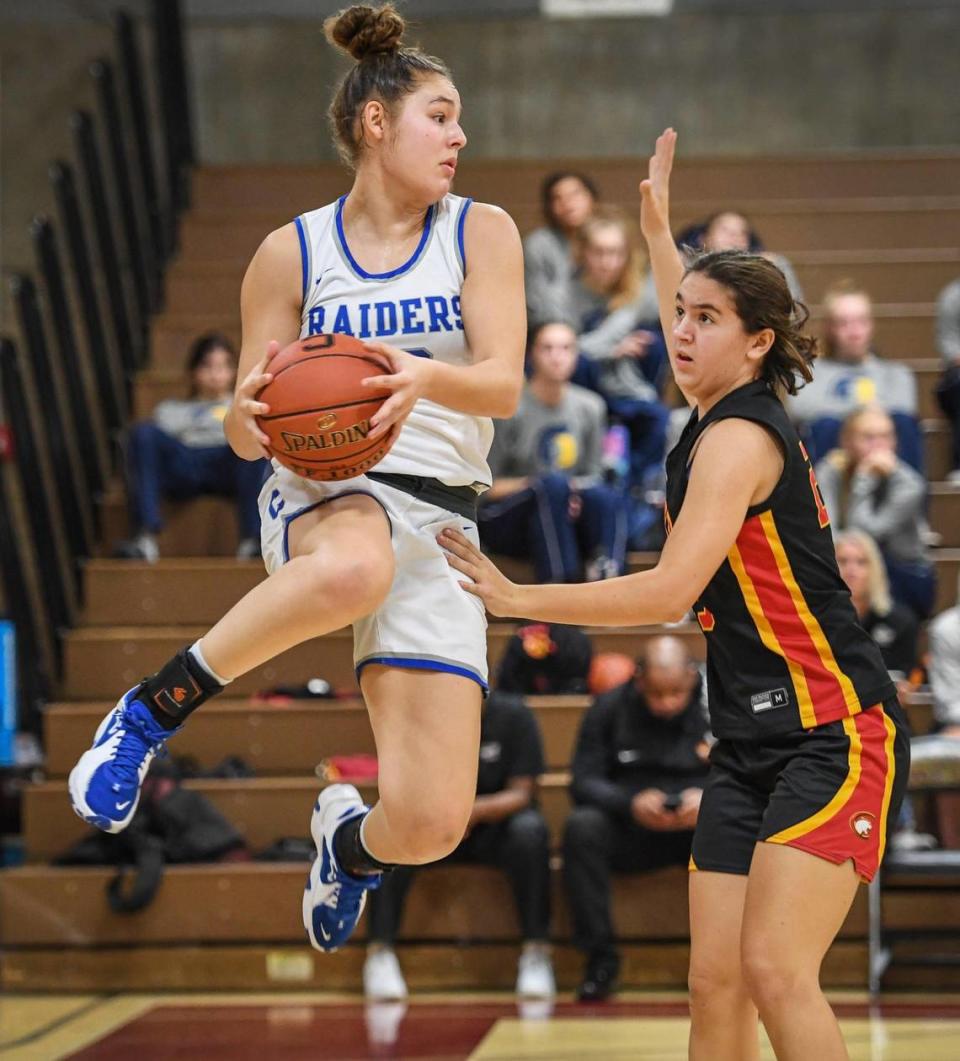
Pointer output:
x,y
245,402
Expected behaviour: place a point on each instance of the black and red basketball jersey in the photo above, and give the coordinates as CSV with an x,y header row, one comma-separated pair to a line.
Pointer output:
x,y
784,648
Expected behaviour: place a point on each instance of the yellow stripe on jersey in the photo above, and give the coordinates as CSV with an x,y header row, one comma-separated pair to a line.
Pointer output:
x,y
808,716
888,785
813,628
843,793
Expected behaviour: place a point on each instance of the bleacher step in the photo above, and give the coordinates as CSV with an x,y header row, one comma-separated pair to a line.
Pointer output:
x,y
279,740
102,662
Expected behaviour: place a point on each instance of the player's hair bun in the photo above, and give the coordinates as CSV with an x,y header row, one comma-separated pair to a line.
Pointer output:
x,y
362,30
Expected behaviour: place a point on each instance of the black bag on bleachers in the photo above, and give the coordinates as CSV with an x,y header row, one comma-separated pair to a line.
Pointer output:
x,y
172,824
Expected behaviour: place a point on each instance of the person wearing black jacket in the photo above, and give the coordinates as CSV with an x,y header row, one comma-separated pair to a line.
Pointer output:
x,y
638,772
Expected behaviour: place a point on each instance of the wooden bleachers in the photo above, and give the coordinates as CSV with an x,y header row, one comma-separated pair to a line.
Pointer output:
x,y
889,221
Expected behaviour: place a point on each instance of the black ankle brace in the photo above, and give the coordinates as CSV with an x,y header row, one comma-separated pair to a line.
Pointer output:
x,y
178,688
351,855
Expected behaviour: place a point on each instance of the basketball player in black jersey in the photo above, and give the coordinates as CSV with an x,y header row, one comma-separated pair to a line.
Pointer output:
x,y
812,752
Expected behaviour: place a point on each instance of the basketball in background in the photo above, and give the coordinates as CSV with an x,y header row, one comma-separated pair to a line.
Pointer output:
x,y
608,670
319,419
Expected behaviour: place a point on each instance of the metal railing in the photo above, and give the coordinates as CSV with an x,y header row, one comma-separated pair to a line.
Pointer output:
x,y
66,389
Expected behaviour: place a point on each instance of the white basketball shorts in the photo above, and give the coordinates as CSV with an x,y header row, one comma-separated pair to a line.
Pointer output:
x,y
426,621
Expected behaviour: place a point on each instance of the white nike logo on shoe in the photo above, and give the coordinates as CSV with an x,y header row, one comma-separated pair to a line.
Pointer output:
x,y
326,935
123,806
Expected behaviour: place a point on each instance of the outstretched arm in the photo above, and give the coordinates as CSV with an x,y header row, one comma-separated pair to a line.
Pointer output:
x,y
655,224
737,464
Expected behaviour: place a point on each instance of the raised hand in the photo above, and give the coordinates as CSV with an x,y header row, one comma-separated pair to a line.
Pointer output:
x,y
655,188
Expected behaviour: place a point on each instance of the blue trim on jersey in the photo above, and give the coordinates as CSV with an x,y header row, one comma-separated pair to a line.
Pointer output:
x,y
304,259
407,265
423,664
461,220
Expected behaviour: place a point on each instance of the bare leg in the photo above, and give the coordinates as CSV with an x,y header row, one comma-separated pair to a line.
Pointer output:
x,y
795,905
341,568
427,728
723,1023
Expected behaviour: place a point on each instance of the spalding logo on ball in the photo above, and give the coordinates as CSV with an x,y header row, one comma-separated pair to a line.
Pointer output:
x,y
319,419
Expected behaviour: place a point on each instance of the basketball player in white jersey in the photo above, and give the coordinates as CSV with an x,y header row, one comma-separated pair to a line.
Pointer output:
x,y
435,284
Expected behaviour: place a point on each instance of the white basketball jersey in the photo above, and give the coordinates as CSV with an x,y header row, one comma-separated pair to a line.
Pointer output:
x,y
415,307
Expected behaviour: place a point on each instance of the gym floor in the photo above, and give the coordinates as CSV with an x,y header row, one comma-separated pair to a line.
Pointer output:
x,y
451,1027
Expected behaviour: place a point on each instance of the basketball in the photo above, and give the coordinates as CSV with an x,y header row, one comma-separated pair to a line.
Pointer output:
x,y
320,414
608,670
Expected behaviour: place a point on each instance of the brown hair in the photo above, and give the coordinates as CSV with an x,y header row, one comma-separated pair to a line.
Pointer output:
x,y
762,299
384,70
627,289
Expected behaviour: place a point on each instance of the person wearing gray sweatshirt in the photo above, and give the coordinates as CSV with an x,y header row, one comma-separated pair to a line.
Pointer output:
x,y
864,485
181,452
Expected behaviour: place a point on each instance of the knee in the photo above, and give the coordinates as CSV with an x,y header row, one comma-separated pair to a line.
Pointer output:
x,y
713,982
360,581
422,833
584,827
555,486
144,433
772,979
527,831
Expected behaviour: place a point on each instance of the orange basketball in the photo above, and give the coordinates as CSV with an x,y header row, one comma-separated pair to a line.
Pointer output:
x,y
608,670
319,415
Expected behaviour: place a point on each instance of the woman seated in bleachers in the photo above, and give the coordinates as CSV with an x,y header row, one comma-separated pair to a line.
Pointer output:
x,y
893,626
549,263
729,230
865,485
623,354
182,453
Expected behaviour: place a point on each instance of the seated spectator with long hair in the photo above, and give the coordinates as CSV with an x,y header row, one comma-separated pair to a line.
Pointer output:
x,y
891,625
865,485
943,666
729,230
182,453
850,375
948,342
549,262
621,345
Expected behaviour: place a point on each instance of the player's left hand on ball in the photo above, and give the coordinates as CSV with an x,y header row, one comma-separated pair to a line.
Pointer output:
x,y
487,582
407,381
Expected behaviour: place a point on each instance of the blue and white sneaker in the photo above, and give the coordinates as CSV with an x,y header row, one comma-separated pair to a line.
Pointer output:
x,y
105,783
333,899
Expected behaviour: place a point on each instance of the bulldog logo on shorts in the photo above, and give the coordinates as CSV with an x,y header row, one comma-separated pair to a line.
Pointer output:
x,y
862,824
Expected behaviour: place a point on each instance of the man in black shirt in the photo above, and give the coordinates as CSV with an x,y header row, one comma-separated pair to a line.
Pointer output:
x,y
638,773
506,829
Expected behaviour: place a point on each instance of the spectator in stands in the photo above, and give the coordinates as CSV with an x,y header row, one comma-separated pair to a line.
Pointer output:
x,y
850,375
638,771
948,340
943,667
569,199
729,230
507,830
548,502
614,306
864,484
545,658
182,453
892,625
